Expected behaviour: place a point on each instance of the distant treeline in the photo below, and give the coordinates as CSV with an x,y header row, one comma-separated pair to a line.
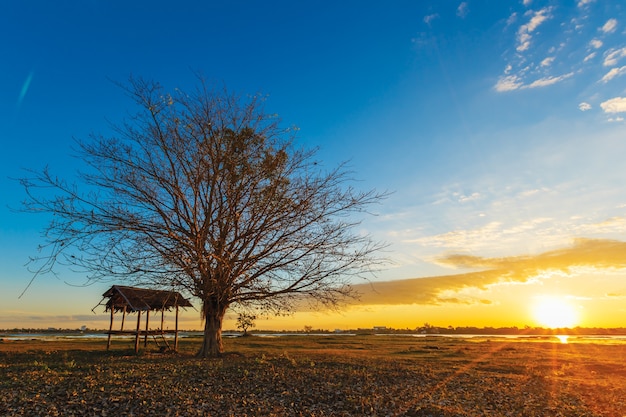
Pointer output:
x,y
426,329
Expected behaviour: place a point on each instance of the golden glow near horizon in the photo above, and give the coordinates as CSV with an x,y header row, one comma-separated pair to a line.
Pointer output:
x,y
581,285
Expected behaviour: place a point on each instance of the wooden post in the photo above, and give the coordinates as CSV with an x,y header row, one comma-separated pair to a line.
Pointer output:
x,y
110,327
123,318
137,333
162,319
145,337
176,332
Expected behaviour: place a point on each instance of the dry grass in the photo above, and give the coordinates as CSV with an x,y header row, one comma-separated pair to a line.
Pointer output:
x,y
316,376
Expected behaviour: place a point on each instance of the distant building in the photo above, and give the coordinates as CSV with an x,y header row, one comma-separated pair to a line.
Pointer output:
x,y
380,327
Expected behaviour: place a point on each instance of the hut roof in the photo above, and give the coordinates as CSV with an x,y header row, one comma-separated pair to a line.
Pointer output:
x,y
142,299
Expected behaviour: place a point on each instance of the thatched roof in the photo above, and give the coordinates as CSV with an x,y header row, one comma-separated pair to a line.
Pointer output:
x,y
142,299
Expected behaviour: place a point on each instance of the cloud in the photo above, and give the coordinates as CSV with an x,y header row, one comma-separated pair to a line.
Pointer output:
x,y
524,33
614,105
589,57
546,81
527,2
547,61
462,10
583,3
508,83
25,88
512,19
614,72
613,56
514,82
462,238
586,253
609,26
430,18
596,43
467,198
584,106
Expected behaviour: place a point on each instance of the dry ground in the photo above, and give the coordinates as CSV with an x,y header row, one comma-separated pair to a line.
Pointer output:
x,y
316,376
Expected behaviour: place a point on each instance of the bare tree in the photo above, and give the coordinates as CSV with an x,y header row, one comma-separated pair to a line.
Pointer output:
x,y
206,193
245,321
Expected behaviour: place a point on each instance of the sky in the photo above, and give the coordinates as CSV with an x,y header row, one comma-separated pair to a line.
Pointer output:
x,y
497,127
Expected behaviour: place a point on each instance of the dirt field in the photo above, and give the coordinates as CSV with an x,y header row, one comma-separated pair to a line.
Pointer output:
x,y
316,376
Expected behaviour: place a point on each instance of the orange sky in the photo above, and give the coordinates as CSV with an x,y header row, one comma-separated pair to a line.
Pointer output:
x,y
589,276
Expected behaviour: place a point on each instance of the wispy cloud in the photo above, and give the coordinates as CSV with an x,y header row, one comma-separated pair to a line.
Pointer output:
x,y
508,83
614,72
514,82
589,57
428,19
25,88
524,34
463,238
613,56
584,106
546,81
596,254
596,43
462,10
609,26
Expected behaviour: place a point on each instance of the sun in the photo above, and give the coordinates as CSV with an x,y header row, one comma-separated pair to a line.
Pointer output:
x,y
554,312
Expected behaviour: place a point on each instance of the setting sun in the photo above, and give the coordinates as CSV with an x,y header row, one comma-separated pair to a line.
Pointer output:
x,y
554,312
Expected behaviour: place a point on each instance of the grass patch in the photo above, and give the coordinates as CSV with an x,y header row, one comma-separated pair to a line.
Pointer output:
x,y
316,376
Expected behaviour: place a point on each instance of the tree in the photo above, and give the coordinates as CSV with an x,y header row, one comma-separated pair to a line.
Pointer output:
x,y
245,321
204,192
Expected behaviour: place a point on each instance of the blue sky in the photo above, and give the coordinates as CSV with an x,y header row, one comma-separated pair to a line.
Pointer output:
x,y
498,126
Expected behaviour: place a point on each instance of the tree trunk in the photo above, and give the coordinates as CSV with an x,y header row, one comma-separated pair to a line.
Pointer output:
x,y
212,341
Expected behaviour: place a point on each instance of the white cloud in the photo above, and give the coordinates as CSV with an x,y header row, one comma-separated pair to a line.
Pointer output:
x,y
584,106
508,83
524,32
614,72
547,62
596,43
538,18
546,81
514,82
511,19
462,10
609,26
613,56
616,119
614,105
467,239
527,2
583,3
467,198
590,56
524,42
430,18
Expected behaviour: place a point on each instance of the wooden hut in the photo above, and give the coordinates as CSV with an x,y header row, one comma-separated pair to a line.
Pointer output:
x,y
137,300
